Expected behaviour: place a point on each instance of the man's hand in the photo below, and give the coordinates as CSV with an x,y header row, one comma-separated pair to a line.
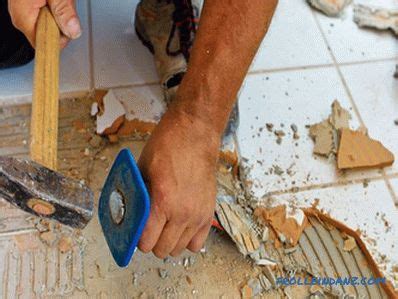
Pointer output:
x,y
178,164
24,14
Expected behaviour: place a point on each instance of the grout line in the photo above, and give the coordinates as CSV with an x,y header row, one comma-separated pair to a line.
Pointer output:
x,y
392,176
130,85
293,68
367,61
337,66
324,186
90,45
27,99
318,66
390,189
351,98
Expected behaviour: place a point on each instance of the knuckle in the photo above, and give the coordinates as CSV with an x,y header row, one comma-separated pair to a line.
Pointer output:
x,y
175,253
144,246
160,193
159,253
183,216
195,246
62,7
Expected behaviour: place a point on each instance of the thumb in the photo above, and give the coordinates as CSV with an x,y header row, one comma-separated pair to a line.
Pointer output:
x,y
64,12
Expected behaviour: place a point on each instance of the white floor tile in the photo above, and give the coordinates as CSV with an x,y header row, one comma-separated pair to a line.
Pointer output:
x,y
119,56
375,92
293,39
299,97
367,209
350,43
74,68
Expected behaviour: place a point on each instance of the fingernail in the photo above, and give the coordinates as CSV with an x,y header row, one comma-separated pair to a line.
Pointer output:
x,y
73,28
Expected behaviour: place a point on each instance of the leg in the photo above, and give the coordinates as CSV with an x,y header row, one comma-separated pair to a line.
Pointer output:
x,y
15,49
167,29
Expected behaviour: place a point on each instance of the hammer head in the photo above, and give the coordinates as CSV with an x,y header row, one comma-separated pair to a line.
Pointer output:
x,y
44,192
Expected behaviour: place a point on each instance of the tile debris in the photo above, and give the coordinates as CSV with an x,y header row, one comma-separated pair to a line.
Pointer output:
x,y
112,115
163,273
349,244
291,242
126,111
357,150
377,18
331,8
287,228
325,133
353,149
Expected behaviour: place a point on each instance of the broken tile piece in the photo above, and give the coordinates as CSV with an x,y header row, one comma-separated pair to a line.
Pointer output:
x,y
331,8
325,133
322,134
377,18
94,109
340,117
112,116
129,111
288,227
349,244
239,226
48,238
357,150
65,244
246,292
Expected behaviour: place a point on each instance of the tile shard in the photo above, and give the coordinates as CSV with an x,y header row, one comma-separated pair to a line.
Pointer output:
x,y
127,112
325,133
286,227
349,244
331,8
322,134
236,211
357,150
377,18
112,116
233,218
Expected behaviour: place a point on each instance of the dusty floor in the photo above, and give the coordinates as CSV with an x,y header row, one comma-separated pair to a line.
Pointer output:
x,y
219,271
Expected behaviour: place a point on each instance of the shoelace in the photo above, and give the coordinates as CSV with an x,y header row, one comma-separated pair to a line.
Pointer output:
x,y
184,20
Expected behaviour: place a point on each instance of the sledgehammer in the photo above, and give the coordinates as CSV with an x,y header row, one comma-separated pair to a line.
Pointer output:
x,y
35,186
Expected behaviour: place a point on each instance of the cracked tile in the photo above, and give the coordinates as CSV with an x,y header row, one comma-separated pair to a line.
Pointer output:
x,y
375,93
370,209
296,97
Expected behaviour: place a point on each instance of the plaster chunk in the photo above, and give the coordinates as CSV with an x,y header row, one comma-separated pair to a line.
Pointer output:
x,y
330,7
377,18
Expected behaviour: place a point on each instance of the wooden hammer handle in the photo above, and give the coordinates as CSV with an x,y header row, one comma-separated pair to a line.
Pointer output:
x,y
44,121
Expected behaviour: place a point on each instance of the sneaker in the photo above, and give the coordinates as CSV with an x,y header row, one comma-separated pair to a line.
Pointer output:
x,y
167,28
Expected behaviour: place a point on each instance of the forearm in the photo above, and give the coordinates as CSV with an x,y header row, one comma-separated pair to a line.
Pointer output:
x,y
228,37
